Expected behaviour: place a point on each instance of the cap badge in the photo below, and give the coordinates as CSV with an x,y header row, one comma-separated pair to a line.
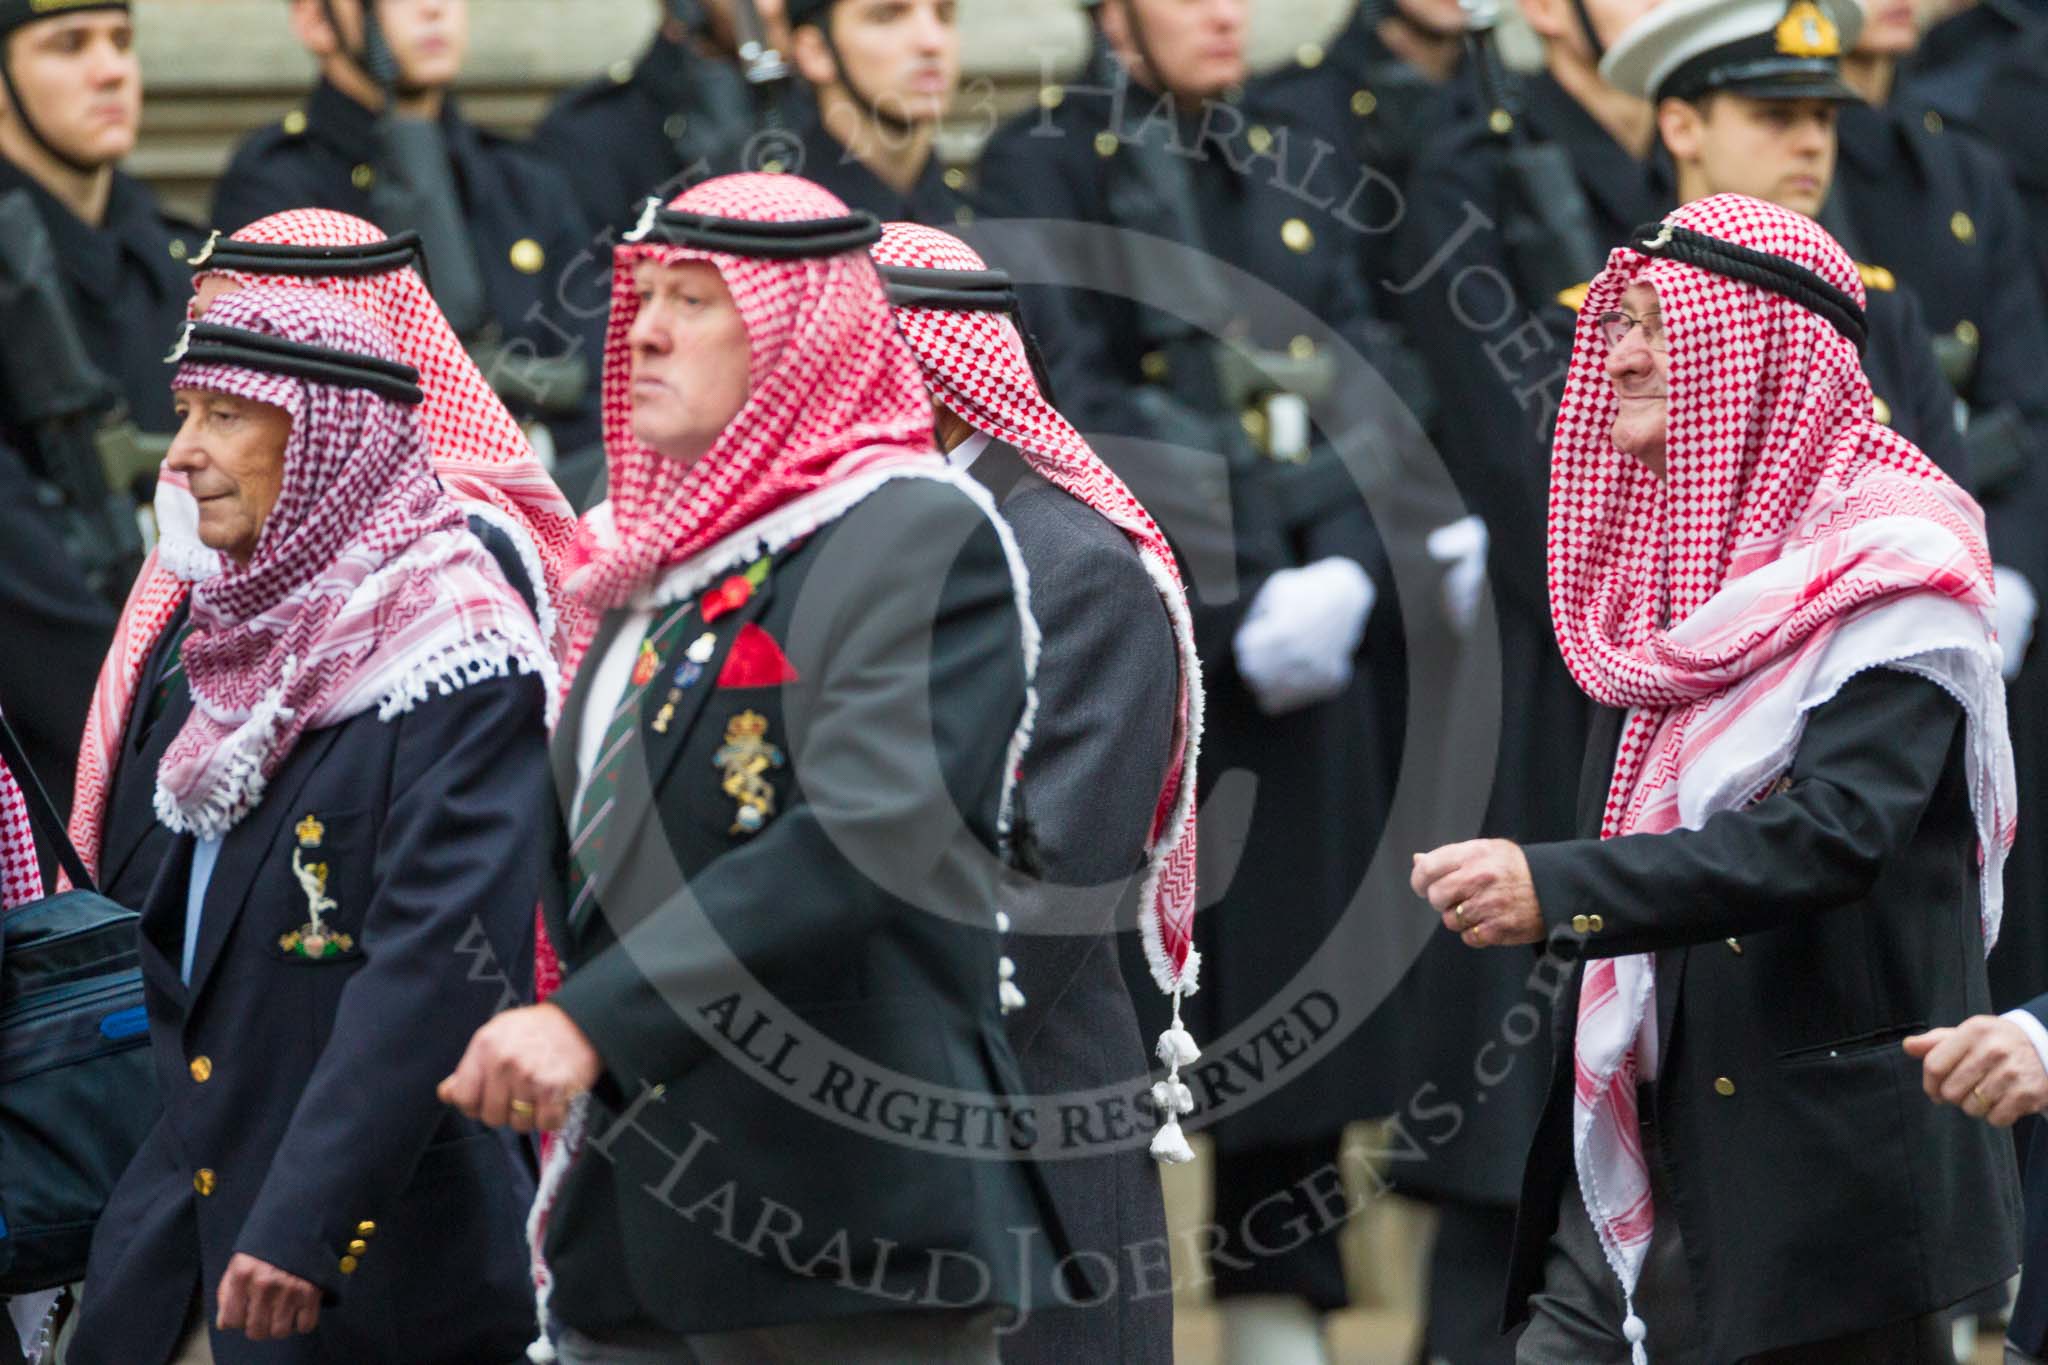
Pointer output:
x,y
1806,31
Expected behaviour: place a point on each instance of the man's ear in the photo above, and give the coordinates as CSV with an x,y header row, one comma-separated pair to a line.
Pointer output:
x,y
812,57
1682,126
1116,31
311,28
1546,18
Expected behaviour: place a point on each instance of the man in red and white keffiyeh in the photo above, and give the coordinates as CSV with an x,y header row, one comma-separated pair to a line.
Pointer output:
x,y
1803,823
359,788
1110,781
480,456
801,657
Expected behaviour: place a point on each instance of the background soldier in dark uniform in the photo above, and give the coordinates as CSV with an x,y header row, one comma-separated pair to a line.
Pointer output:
x,y
1938,207
642,126
883,72
71,104
1382,83
511,257
1143,143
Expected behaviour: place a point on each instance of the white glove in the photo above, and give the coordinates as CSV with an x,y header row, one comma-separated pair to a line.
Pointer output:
x,y
2013,610
1461,545
1296,643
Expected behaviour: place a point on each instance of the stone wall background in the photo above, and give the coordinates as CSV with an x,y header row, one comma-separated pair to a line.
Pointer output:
x,y
214,69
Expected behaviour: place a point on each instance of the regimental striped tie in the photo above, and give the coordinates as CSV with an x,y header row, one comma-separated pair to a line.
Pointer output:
x,y
173,676
600,790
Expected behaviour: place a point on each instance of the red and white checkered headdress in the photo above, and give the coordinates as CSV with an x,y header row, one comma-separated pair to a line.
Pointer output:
x,y
365,589
21,878
832,392
977,365
478,451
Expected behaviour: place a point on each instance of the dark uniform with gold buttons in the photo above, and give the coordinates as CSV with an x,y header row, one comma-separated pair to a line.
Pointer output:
x,y
546,277
640,128
126,285
1130,377
1357,94
1941,207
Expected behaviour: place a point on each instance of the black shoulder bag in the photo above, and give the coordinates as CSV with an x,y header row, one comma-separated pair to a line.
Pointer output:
x,y
77,1093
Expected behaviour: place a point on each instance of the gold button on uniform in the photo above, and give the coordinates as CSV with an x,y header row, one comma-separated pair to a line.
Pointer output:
x,y
963,215
178,249
363,176
620,71
1881,410
204,1182
1301,348
527,256
1106,143
1582,924
1296,234
773,166
1260,138
1152,365
1960,224
1363,102
1723,1086
294,123
358,1247
1595,923
1049,96
348,1265
674,126
1931,121
1309,55
202,1069
955,178
1501,121
365,1228
1966,332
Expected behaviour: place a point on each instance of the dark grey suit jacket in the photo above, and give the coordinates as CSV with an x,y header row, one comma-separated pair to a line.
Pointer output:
x,y
1100,748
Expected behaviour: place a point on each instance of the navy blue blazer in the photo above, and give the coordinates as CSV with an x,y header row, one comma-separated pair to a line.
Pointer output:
x,y
297,1072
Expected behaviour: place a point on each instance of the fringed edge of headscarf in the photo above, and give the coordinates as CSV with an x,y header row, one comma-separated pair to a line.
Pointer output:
x,y
242,784
1186,980
456,666
554,1168
529,559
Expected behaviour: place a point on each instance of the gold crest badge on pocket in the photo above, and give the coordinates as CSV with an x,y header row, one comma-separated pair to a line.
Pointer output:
x,y
745,758
315,939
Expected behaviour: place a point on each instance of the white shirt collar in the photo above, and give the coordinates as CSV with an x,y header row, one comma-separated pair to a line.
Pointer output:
x,y
969,450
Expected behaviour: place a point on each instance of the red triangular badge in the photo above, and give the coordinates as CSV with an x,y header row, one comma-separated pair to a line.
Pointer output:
x,y
755,660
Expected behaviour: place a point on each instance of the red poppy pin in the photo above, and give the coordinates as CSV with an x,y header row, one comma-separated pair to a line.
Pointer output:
x,y
735,592
755,660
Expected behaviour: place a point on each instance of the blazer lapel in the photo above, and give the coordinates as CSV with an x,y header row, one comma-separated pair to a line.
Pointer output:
x,y
234,875
163,922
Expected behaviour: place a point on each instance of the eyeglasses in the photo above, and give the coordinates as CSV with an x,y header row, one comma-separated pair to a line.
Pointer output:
x,y
1615,326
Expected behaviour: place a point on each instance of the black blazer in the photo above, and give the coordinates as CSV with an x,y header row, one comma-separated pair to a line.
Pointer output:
x,y
1798,940
771,1006
300,1116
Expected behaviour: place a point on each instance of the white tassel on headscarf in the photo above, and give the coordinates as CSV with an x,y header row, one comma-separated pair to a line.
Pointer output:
x,y
1171,1096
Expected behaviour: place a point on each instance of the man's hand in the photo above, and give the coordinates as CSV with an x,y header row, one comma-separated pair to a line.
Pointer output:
x,y
522,1069
1481,889
1986,1066
263,1302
